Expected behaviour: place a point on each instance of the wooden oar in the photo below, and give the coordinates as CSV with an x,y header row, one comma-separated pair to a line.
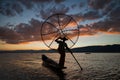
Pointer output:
x,y
77,61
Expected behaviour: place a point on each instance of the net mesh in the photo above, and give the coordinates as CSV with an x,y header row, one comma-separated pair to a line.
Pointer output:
x,y
59,25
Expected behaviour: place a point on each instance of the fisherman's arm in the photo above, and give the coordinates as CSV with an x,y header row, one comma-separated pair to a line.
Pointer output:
x,y
57,40
68,49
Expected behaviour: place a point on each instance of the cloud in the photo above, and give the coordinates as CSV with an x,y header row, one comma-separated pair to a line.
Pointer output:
x,y
114,14
77,17
87,30
98,4
10,36
31,31
14,7
93,14
106,10
45,13
59,1
22,32
9,8
97,9
73,6
112,23
81,4
104,7
28,4
106,27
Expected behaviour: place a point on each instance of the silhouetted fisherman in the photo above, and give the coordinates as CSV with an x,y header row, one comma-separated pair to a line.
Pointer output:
x,y
61,49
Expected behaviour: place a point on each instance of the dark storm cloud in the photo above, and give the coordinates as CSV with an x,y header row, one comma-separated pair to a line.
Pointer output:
x,y
31,32
59,1
107,27
10,36
98,9
22,32
81,4
56,9
115,14
73,6
10,8
87,30
26,32
13,7
78,17
27,3
106,6
112,24
98,4
93,14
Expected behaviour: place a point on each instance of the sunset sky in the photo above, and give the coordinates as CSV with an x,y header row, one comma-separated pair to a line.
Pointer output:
x,y
21,21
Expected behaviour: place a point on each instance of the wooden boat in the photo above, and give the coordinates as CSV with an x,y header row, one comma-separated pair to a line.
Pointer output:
x,y
48,62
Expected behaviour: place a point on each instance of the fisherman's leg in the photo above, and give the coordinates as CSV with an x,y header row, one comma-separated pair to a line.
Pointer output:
x,y
62,60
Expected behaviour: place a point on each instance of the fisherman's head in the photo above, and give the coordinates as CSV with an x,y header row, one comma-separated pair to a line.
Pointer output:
x,y
64,39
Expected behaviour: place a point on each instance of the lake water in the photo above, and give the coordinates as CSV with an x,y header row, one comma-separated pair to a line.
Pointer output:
x,y
28,66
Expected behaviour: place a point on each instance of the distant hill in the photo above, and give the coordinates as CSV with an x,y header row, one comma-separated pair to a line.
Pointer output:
x,y
107,49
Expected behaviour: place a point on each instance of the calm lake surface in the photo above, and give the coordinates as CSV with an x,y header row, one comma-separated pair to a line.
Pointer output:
x,y
28,66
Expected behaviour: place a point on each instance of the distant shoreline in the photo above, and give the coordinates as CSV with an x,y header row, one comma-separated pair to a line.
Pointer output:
x,y
89,49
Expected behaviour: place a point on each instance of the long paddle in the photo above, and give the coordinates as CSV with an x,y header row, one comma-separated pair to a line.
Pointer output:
x,y
77,61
